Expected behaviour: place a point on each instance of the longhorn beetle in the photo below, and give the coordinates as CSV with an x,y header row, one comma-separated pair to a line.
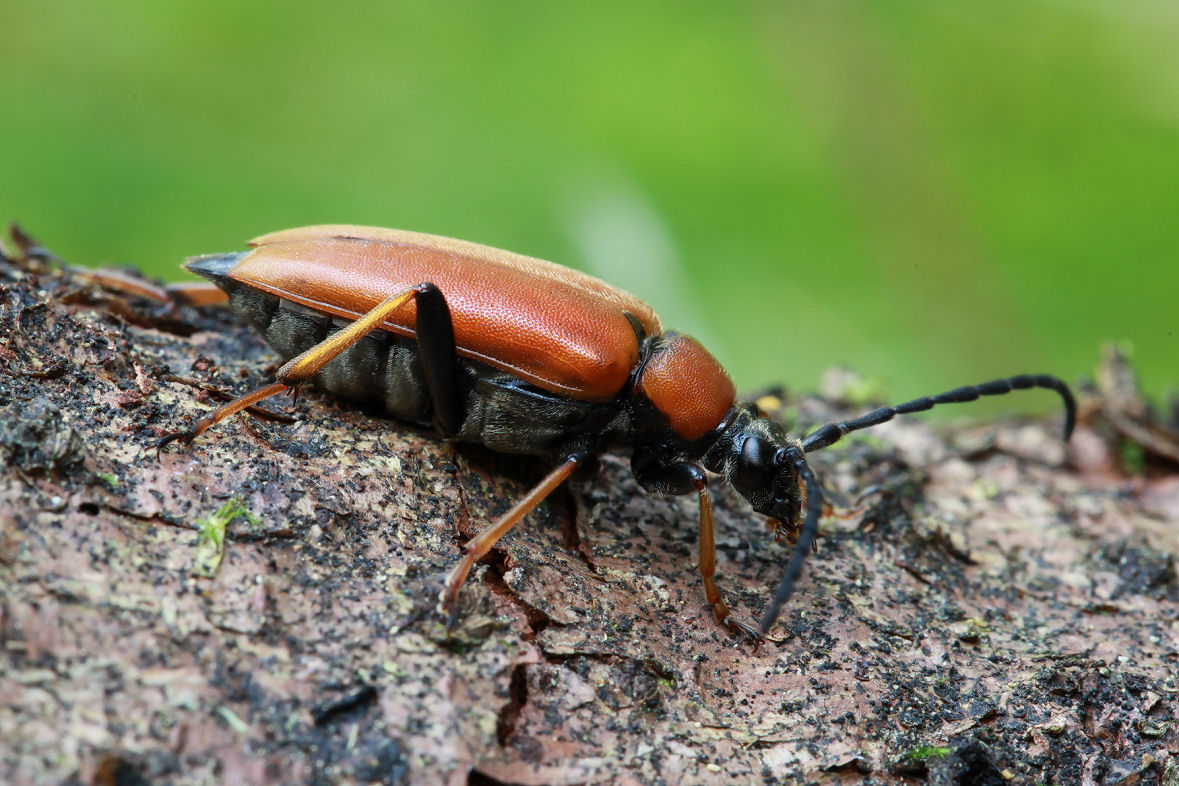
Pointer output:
x,y
526,356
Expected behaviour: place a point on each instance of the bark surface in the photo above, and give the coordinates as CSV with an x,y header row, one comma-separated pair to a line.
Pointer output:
x,y
1004,610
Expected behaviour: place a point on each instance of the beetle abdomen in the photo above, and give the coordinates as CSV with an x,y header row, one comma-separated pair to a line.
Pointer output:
x,y
558,329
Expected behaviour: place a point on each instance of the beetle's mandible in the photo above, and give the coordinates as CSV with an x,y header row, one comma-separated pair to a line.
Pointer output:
x,y
526,356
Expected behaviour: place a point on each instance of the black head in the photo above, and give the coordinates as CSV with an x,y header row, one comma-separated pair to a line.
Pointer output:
x,y
756,457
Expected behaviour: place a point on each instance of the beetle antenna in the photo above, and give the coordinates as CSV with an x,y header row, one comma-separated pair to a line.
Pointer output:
x,y
828,435
806,537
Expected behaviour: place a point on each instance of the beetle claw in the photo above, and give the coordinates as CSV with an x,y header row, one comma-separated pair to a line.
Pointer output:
x,y
743,631
735,627
448,606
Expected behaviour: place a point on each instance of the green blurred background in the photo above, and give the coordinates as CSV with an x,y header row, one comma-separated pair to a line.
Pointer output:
x,y
931,193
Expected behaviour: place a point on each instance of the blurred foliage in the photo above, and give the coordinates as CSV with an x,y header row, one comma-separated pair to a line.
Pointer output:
x,y
932,193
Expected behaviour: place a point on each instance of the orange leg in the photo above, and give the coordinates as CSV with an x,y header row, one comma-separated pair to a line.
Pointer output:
x,y
720,609
196,293
482,543
299,369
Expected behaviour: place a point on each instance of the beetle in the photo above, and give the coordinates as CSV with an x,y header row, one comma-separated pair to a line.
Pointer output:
x,y
526,356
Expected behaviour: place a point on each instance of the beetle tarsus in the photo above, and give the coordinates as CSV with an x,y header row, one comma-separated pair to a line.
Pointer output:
x,y
183,437
739,629
448,605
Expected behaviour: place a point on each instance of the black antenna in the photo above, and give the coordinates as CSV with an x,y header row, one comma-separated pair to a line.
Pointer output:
x,y
806,537
828,435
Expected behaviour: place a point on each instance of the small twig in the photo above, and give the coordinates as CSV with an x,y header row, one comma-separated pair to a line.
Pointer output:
x,y
912,571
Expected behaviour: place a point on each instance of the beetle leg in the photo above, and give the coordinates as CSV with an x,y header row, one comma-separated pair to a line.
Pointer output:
x,y
195,293
482,543
720,610
439,357
682,478
299,369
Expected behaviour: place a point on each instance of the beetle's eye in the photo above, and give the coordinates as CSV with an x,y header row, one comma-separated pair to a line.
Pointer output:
x,y
753,452
756,464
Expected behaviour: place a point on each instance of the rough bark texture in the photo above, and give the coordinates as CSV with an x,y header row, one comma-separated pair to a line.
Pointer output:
x,y
1004,611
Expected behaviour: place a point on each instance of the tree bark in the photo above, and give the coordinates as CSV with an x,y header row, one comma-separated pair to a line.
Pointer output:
x,y
1005,609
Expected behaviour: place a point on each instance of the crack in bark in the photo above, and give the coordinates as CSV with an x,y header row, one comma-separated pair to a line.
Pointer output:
x,y
509,715
496,562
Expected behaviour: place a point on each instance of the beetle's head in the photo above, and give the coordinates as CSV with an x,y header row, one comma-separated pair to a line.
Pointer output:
x,y
757,458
